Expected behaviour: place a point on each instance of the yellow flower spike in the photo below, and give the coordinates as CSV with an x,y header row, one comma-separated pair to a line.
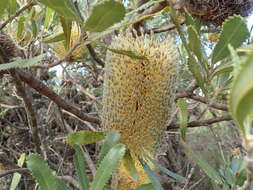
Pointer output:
x,y
139,94
61,51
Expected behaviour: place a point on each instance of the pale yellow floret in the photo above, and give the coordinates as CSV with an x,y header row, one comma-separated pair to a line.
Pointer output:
x,y
138,94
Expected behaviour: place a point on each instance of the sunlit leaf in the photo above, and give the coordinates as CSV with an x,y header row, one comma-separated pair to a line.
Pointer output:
x,y
104,15
84,137
234,32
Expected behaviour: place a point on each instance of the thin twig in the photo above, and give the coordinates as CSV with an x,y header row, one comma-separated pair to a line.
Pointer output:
x,y
199,123
95,56
44,90
31,116
18,170
20,11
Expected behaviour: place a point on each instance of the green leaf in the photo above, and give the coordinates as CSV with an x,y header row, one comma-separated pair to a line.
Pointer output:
x,y
167,172
112,138
104,15
183,117
84,137
13,6
241,96
210,172
3,6
129,164
16,177
66,26
196,71
48,17
43,174
24,63
108,165
222,69
128,53
196,47
234,32
148,186
54,38
65,8
79,163
21,27
155,181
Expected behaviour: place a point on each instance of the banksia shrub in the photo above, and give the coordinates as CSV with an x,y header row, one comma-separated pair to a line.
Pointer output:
x,y
217,11
139,93
61,50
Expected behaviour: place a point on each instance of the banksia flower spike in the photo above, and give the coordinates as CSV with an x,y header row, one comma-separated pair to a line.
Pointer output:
x,y
8,48
61,50
139,93
217,11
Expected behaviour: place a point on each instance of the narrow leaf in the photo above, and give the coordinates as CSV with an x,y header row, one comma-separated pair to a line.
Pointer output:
x,y
24,63
108,165
16,177
234,32
210,172
79,163
84,137
128,53
43,174
111,139
146,187
54,38
155,181
104,15
183,117
175,176
129,164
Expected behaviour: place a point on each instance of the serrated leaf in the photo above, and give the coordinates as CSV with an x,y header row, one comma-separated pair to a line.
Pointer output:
x,y
112,138
24,63
183,117
43,174
79,163
104,15
148,186
65,8
108,165
128,53
155,181
84,137
234,32
129,164
196,47
175,176
241,96
196,71
204,166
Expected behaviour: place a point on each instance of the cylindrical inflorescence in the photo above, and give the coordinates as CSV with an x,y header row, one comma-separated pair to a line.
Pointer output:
x,y
217,11
8,48
139,93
